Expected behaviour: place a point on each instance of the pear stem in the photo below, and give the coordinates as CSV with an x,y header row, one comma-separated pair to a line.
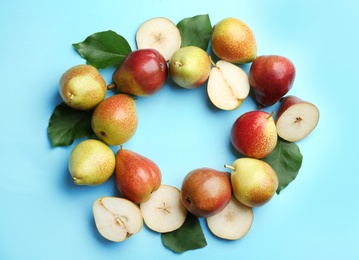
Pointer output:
x,y
271,114
229,167
212,62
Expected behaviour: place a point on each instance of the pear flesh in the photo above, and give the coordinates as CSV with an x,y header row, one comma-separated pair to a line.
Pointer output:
x,y
164,211
233,222
160,34
228,85
117,219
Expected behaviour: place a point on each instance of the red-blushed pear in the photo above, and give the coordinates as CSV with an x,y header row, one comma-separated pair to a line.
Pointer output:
x,y
115,119
206,192
136,175
82,87
234,41
161,34
233,222
254,182
116,219
91,162
189,67
254,134
271,77
164,211
142,73
296,118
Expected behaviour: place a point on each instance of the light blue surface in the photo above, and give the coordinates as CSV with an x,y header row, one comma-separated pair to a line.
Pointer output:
x,y
45,216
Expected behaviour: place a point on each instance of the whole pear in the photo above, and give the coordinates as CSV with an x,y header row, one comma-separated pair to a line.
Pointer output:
x,y
82,87
254,182
190,67
271,77
91,162
115,119
136,175
206,192
254,134
142,73
234,41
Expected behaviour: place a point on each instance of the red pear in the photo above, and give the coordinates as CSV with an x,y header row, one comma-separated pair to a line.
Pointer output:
x,y
271,77
136,176
206,192
254,134
142,73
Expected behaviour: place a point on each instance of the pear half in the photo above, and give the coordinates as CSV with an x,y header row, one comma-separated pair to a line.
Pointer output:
x,y
116,218
228,85
164,211
233,222
161,34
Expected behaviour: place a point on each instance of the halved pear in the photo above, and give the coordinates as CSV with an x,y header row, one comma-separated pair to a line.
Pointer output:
x,y
161,34
164,211
233,222
296,118
228,85
116,218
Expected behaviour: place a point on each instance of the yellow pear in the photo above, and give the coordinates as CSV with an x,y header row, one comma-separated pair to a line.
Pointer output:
x,y
234,41
82,87
254,182
91,162
189,67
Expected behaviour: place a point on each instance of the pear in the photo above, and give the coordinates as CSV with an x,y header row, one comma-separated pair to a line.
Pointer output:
x,y
234,41
254,182
91,162
116,219
254,134
189,67
233,222
164,211
82,87
115,119
206,191
161,34
136,175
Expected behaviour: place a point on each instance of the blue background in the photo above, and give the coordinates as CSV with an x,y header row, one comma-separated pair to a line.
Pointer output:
x,y
45,216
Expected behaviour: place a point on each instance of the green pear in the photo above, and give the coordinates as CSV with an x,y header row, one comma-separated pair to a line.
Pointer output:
x,y
254,182
115,119
91,162
82,87
189,67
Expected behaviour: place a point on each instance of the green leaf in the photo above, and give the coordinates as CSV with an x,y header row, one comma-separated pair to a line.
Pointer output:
x,y
103,49
188,237
195,31
66,124
286,161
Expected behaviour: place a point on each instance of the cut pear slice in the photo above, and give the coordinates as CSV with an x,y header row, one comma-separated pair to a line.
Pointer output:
x,y
296,118
228,85
161,34
233,222
117,219
164,211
